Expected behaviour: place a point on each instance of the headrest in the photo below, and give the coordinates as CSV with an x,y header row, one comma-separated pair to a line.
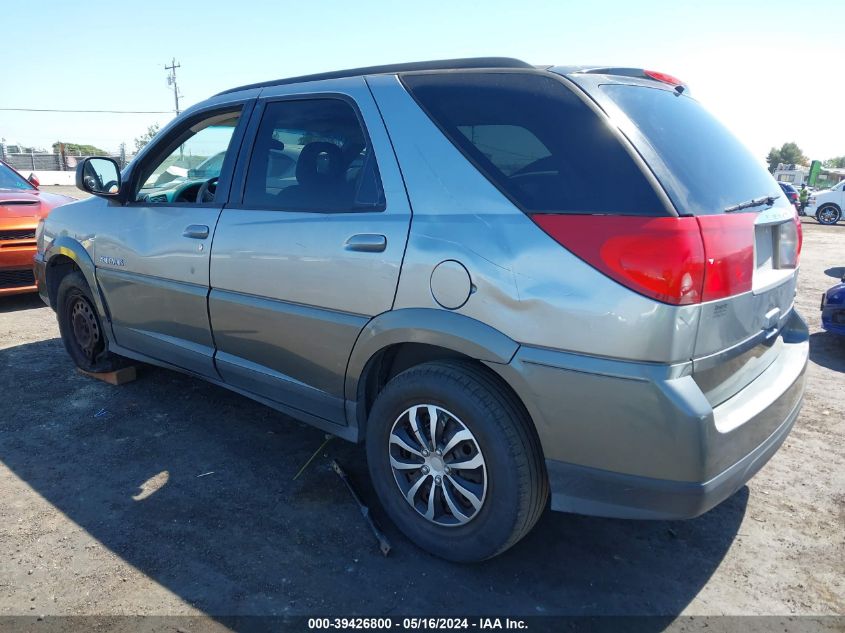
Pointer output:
x,y
319,163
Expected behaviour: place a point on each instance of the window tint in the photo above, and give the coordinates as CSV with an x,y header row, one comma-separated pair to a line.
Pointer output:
x,y
509,147
710,168
196,159
312,155
536,141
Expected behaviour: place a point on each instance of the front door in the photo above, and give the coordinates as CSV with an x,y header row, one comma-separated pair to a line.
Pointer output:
x,y
152,254
313,248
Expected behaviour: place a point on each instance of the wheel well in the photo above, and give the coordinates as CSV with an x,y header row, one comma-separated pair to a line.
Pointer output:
x,y
395,359
57,269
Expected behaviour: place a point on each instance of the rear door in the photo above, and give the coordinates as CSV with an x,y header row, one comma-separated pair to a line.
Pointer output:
x,y
311,247
749,228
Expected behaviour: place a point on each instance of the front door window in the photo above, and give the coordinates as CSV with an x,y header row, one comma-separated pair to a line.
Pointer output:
x,y
187,173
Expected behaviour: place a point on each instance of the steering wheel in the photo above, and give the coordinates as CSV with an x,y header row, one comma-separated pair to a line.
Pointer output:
x,y
207,190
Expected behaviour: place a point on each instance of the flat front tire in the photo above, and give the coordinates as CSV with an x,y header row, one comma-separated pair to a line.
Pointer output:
x,y
80,326
455,460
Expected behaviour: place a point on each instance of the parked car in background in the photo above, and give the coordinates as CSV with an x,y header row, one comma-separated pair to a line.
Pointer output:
x,y
22,205
791,194
833,309
827,205
632,349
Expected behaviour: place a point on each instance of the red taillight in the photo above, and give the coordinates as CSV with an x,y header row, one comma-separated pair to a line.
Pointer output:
x,y
664,77
662,258
800,230
729,252
674,260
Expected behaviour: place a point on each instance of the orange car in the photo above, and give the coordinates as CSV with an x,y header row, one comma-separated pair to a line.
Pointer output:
x,y
22,205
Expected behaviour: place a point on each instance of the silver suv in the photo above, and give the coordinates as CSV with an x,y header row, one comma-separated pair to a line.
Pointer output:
x,y
505,279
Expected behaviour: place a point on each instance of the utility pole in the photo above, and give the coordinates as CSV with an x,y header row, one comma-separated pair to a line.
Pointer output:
x,y
171,81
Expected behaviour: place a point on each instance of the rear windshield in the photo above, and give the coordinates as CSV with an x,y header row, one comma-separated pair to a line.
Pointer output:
x,y
710,169
536,141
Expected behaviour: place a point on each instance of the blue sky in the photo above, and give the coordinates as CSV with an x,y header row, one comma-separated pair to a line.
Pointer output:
x,y
771,70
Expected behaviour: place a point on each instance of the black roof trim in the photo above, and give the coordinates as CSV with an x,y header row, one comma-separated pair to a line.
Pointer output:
x,y
441,64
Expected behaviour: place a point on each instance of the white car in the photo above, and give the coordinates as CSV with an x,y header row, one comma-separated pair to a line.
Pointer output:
x,y
826,205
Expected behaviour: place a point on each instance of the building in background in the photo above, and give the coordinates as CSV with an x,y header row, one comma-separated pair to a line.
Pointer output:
x,y
829,176
793,174
814,176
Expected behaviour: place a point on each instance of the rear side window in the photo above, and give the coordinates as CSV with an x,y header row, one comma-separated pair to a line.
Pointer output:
x,y
710,169
536,141
312,155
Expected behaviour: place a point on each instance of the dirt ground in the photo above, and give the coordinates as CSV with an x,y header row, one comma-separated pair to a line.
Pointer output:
x,y
171,496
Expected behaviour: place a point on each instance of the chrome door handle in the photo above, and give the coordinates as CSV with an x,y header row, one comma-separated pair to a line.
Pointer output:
x,y
196,231
366,243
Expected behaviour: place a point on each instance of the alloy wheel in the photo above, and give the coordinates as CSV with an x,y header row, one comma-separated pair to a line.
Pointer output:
x,y
438,465
828,215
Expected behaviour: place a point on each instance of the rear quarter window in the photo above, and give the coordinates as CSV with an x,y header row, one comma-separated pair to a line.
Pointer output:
x,y
536,141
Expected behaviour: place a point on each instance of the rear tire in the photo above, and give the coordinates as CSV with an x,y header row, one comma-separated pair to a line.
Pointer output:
x,y
487,486
828,214
80,326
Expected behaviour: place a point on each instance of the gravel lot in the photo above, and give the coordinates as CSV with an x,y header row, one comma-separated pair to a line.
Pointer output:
x,y
170,496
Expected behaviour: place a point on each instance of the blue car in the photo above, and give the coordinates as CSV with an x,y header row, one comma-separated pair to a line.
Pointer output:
x,y
833,309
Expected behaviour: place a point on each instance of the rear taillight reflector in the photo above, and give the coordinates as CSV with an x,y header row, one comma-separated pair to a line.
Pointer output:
x,y
674,260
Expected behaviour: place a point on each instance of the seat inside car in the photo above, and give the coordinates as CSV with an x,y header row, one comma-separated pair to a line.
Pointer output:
x,y
320,177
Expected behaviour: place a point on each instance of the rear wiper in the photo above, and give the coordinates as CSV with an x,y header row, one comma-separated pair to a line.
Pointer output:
x,y
756,202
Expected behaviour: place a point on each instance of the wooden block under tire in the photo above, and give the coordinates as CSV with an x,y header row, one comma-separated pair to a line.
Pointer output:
x,y
116,377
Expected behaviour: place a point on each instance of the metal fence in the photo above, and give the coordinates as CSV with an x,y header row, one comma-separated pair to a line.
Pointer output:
x,y
68,161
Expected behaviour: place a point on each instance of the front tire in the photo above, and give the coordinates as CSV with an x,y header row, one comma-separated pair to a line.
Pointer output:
x,y
828,214
80,326
455,461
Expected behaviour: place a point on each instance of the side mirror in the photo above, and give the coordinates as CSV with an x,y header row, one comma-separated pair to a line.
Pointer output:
x,y
99,176
33,180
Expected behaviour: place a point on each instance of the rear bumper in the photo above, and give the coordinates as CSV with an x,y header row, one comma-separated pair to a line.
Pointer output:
x,y
641,440
600,493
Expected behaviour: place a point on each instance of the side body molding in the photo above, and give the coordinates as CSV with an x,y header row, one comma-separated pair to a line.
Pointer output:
x,y
428,326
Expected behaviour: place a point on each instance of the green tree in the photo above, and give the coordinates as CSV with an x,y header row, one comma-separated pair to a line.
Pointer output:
x,y
788,153
146,137
78,149
837,161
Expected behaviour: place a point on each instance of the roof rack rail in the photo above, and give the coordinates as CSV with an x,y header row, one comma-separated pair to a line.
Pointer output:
x,y
442,64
